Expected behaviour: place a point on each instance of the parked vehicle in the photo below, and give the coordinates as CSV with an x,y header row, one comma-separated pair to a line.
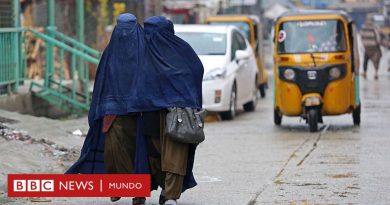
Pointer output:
x,y
230,70
250,27
316,66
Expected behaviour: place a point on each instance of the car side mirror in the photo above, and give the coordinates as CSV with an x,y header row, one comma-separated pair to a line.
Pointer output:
x,y
242,55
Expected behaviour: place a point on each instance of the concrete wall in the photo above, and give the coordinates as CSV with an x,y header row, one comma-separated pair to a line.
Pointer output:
x,y
27,103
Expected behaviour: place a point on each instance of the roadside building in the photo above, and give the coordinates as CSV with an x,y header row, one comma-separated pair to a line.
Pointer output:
x,y
189,12
358,9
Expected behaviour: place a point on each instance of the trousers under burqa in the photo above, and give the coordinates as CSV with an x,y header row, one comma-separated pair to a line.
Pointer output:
x,y
168,159
120,142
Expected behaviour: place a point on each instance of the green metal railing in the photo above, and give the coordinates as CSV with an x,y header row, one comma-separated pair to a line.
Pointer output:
x,y
77,44
10,47
58,48
54,90
81,64
11,63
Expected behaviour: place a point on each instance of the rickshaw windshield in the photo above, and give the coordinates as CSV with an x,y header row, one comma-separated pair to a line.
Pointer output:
x,y
320,36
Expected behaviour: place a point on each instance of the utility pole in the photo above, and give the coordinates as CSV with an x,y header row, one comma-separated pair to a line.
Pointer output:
x,y
313,4
49,72
80,35
241,7
261,15
260,6
17,42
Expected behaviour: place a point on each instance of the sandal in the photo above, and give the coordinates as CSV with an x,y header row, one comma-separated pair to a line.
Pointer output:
x,y
161,200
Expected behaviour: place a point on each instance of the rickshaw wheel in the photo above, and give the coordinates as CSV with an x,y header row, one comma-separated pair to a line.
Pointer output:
x,y
312,117
277,117
356,115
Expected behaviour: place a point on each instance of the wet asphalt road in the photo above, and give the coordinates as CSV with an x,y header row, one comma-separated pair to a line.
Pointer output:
x,y
251,161
259,163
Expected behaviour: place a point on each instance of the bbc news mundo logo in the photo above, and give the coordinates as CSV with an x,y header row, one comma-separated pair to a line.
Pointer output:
x,y
78,185
33,185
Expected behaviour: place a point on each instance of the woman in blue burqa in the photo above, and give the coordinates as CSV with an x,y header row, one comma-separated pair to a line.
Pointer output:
x,y
179,73
130,86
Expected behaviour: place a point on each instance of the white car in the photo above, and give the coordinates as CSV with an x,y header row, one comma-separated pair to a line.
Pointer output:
x,y
230,70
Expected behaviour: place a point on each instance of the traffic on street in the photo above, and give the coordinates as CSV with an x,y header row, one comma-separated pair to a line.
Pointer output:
x,y
214,103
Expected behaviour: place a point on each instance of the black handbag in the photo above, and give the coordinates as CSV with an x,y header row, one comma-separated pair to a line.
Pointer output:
x,y
185,125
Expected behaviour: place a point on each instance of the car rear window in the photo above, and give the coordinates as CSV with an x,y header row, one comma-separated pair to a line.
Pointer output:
x,y
205,43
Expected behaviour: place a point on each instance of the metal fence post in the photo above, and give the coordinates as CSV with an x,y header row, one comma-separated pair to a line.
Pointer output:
x,y
16,41
80,35
49,71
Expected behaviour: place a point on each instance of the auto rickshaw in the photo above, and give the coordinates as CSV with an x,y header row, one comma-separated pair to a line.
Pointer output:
x,y
316,66
251,28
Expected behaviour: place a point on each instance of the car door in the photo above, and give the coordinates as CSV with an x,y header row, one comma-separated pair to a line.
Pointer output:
x,y
238,66
244,73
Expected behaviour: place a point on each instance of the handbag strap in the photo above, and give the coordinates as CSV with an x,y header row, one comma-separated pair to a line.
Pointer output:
x,y
197,117
179,115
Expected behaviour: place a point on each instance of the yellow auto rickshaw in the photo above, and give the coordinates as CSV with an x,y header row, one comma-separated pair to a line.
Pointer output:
x,y
251,28
316,66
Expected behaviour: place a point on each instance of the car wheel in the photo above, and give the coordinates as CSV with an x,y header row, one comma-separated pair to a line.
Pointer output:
x,y
251,106
229,115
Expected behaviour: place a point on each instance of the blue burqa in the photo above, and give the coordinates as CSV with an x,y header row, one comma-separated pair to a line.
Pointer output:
x,y
132,77
179,74
178,68
115,92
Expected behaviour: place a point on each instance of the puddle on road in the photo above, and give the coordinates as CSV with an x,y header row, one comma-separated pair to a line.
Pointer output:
x,y
207,179
212,118
4,200
345,194
343,128
341,176
305,202
308,184
39,200
279,182
340,161
353,187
